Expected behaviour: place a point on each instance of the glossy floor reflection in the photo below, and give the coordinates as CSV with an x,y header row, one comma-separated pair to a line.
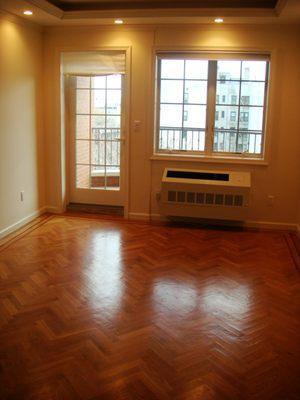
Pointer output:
x,y
103,309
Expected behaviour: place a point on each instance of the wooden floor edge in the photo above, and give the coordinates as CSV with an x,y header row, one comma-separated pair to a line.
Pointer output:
x,y
293,243
12,237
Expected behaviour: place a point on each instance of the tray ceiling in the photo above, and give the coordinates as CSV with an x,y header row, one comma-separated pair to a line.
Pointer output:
x,y
78,5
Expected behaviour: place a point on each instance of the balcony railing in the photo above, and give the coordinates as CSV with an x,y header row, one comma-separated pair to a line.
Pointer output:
x,y
106,148
193,139
186,139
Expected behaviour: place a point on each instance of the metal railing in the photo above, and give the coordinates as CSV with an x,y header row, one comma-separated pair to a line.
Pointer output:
x,y
106,147
185,139
193,139
229,141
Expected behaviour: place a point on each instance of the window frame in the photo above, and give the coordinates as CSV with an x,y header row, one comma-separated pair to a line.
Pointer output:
x,y
212,56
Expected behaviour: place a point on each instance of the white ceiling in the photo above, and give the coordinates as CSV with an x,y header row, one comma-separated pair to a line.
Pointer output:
x,y
45,14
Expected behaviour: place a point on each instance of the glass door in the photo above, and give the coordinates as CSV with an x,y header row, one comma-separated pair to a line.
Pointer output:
x,y
96,139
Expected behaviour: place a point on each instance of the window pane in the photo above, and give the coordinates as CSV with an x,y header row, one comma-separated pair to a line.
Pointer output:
x,y
196,69
171,91
83,82
98,101
97,122
253,93
195,92
228,92
255,118
98,152
82,101
227,141
113,102
82,176
171,115
99,82
228,70
114,81
227,117
82,126
194,117
112,153
254,70
172,69
82,151
113,121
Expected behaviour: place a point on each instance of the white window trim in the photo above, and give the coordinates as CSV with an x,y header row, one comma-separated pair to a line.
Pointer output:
x,y
218,157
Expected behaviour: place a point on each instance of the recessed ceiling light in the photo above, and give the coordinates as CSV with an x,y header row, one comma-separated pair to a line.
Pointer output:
x,y
119,21
219,20
27,12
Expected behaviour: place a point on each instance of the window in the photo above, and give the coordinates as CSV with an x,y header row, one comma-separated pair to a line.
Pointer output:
x,y
244,117
191,119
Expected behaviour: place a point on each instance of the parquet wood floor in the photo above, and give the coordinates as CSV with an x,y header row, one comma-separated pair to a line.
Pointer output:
x,y
104,309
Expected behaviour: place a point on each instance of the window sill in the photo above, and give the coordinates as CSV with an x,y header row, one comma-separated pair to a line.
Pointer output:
x,y
206,159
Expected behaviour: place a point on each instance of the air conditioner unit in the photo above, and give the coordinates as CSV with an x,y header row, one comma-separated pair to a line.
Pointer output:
x,y
205,194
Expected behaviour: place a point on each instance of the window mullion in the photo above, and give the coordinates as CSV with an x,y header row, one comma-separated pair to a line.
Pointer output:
x,y
211,106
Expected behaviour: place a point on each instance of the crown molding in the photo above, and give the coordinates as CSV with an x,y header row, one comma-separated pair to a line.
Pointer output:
x,y
183,12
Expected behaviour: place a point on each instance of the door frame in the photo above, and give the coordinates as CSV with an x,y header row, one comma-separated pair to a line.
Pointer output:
x,y
65,124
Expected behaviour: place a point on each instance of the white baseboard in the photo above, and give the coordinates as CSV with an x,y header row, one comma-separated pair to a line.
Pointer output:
x,y
17,225
139,216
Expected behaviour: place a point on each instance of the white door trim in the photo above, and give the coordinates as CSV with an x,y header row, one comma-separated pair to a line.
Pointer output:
x,y
62,127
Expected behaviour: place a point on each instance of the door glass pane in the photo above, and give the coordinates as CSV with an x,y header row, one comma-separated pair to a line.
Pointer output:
x,y
99,82
83,101
97,138
82,151
113,121
83,82
98,101
113,102
82,176
82,127
98,152
114,81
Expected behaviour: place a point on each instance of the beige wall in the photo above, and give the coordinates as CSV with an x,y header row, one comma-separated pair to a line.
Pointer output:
x,y
21,166
280,178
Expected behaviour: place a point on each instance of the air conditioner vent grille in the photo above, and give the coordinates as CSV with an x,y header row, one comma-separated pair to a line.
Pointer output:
x,y
210,199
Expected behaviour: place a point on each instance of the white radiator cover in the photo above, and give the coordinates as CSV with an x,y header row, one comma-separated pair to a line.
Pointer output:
x,y
205,194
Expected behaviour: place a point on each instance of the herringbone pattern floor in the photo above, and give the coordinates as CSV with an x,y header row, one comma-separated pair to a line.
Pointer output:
x,y
99,309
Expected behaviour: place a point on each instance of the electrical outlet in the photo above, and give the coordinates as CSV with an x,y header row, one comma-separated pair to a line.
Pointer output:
x,y
22,195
